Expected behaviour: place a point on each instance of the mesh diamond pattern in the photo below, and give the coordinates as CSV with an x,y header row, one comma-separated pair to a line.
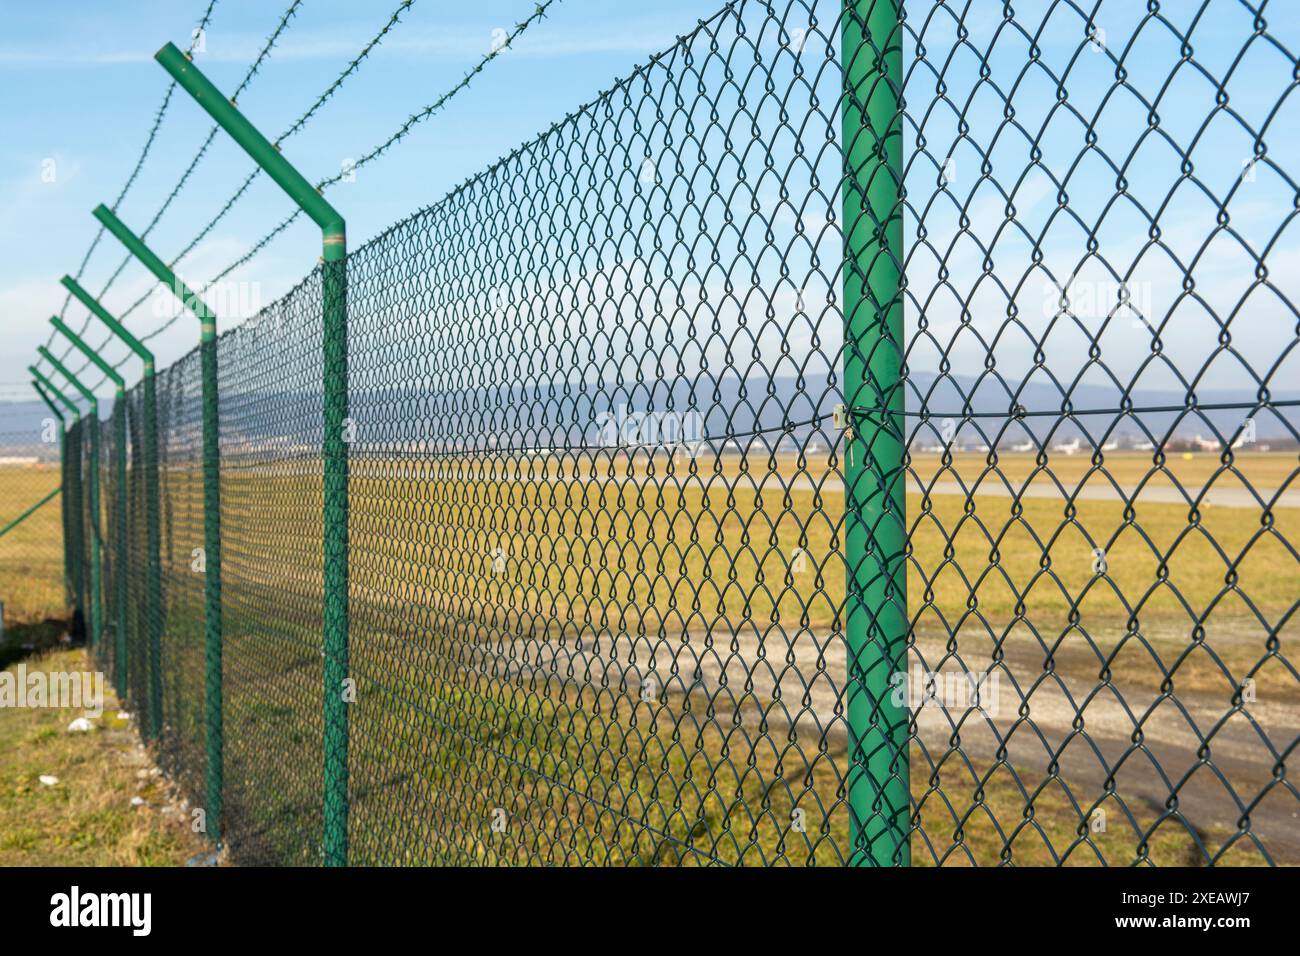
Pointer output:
x,y
603,581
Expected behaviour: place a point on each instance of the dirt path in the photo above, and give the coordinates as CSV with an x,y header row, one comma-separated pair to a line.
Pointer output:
x,y
1190,748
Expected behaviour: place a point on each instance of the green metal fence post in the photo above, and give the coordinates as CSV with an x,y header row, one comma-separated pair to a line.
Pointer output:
x,y
334,450
63,481
77,528
96,542
153,525
876,621
71,497
120,550
211,507
77,510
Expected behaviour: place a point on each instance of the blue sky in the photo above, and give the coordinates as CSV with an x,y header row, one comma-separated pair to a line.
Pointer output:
x,y
78,86
80,89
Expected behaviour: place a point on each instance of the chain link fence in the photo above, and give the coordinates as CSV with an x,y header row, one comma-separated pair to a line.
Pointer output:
x,y
859,436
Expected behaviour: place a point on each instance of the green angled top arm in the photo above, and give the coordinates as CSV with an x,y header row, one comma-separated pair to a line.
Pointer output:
x,y
44,380
86,350
162,273
114,326
191,79
62,369
49,402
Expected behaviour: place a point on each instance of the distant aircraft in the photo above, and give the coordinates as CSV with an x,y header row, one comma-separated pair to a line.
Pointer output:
x,y
1111,445
1023,446
1144,446
1068,448
1206,444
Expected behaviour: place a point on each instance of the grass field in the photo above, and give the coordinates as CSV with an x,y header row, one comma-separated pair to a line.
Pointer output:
x,y
506,616
31,555
578,785
87,817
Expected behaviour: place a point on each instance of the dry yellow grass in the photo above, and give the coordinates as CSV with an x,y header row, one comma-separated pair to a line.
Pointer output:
x,y
31,554
706,548
87,818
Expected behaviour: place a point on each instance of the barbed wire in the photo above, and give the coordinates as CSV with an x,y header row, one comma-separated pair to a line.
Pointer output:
x,y
297,126
244,83
139,163
539,12
212,134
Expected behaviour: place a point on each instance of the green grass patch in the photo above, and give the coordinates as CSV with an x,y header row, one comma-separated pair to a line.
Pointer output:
x,y
86,818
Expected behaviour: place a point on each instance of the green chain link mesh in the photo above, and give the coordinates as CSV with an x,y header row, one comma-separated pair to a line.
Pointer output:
x,y
598,468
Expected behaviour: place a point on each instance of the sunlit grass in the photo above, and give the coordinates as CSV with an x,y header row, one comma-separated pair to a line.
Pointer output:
x,y
86,817
31,554
457,567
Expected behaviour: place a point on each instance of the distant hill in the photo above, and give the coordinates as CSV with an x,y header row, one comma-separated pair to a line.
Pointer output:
x,y
560,414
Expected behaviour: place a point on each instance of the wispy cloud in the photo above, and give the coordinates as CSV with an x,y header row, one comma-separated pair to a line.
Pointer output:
x,y
642,38
71,57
